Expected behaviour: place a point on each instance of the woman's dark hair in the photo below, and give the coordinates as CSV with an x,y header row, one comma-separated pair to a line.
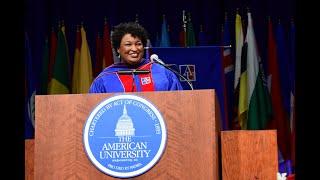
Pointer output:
x,y
133,28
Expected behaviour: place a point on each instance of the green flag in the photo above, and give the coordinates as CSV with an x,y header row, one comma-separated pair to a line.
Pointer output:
x,y
259,102
59,83
191,39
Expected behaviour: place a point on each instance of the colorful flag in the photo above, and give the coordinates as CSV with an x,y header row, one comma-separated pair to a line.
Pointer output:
x,y
107,47
30,91
45,69
165,40
279,119
191,39
60,82
243,90
99,56
76,62
228,66
259,104
202,37
182,38
84,68
283,57
52,54
237,74
200,65
292,71
157,44
183,32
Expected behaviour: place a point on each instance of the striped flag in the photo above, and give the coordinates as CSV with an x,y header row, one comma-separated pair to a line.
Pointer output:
x,y
259,104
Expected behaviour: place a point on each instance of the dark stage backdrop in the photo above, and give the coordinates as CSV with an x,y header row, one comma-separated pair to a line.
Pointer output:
x,y
41,16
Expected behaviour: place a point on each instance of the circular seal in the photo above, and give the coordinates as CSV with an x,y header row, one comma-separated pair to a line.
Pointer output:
x,y
124,136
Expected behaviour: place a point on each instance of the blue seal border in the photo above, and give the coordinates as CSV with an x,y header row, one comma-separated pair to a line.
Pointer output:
x,y
132,173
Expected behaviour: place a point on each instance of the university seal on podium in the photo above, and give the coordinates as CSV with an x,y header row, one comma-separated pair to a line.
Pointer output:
x,y
124,136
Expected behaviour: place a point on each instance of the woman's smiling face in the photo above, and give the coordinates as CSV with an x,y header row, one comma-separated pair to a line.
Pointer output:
x,y
131,49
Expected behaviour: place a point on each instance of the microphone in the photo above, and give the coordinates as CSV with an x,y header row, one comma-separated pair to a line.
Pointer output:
x,y
155,58
133,71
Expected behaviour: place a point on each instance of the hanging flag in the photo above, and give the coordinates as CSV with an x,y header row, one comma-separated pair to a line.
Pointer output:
x,y
60,82
99,56
202,37
84,69
243,89
165,40
292,71
259,105
279,118
183,32
107,47
205,73
45,69
157,44
52,55
30,91
237,73
228,66
283,56
191,39
76,62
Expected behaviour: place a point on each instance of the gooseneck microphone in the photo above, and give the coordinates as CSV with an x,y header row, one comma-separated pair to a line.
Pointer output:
x,y
155,58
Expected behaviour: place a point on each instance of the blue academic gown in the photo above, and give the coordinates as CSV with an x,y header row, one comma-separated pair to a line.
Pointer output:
x,y
159,79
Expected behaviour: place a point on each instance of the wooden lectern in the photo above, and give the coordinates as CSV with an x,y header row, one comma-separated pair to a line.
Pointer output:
x,y
191,152
249,154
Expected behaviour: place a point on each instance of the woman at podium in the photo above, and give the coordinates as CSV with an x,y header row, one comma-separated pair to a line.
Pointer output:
x,y
133,73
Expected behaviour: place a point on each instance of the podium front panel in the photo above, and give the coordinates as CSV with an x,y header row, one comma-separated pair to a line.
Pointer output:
x,y
191,151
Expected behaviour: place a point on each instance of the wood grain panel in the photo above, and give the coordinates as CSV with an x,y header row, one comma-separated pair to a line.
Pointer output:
x,y
29,159
191,150
249,154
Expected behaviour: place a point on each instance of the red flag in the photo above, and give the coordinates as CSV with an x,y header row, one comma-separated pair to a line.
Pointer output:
x,y
182,38
107,47
99,56
280,119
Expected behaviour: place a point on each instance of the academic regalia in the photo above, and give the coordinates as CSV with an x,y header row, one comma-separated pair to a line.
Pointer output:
x,y
115,79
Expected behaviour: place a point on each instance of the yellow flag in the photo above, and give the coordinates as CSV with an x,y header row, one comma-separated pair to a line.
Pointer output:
x,y
84,69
